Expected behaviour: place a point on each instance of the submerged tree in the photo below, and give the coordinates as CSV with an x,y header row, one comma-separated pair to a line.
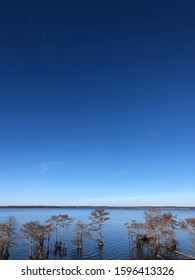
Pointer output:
x,y
152,222
98,217
48,231
81,231
189,226
168,224
64,222
134,229
153,228
140,240
54,221
1,238
156,235
8,236
35,234
59,223
162,228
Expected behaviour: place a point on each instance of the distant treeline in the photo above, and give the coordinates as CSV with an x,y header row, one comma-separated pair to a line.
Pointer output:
x,y
152,239
98,207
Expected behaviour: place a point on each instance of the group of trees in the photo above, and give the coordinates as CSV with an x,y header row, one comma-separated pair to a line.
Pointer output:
x,y
189,226
38,235
154,238
8,236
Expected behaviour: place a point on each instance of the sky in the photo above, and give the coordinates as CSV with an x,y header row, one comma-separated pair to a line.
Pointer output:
x,y
97,102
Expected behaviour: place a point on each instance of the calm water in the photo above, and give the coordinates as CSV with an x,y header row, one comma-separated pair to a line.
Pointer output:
x,y
114,232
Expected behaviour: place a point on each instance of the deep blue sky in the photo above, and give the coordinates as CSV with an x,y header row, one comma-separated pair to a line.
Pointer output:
x,y
97,102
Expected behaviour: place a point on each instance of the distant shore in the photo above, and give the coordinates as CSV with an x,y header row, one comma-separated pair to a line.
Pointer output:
x,y
103,206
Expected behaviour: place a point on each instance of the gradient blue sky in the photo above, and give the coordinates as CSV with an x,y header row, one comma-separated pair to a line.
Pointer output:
x,y
97,102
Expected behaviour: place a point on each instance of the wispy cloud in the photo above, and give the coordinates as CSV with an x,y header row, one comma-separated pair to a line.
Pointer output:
x,y
121,172
46,166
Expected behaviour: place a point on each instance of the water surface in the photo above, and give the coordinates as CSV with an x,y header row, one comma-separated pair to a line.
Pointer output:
x,y
114,232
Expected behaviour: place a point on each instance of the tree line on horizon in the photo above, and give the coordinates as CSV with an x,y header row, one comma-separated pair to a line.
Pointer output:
x,y
154,238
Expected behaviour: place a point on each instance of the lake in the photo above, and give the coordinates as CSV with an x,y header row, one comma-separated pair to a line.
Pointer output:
x,y
114,232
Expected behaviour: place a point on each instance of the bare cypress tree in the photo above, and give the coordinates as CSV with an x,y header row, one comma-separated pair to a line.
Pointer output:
x,y
28,234
98,217
135,229
54,221
64,222
162,228
135,238
48,231
1,238
152,225
189,226
8,236
168,224
34,233
58,223
81,230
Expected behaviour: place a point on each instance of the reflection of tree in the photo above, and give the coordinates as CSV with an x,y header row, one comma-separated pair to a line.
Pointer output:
x,y
98,217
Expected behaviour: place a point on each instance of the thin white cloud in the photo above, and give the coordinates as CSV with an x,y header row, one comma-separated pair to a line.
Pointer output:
x,y
121,172
46,166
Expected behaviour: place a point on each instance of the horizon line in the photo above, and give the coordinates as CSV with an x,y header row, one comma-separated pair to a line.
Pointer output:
x,y
94,206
